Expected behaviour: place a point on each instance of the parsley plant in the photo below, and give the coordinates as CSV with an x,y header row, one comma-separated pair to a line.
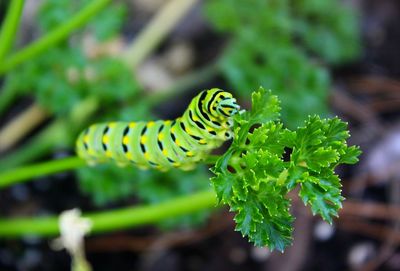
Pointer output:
x,y
253,177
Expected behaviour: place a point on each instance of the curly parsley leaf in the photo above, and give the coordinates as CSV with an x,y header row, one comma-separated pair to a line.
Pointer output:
x,y
255,175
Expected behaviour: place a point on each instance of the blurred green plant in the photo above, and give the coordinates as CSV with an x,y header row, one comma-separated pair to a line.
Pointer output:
x,y
59,85
65,76
283,45
9,27
106,24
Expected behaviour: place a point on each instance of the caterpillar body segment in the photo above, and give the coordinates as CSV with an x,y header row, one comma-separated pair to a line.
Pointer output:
x,y
163,144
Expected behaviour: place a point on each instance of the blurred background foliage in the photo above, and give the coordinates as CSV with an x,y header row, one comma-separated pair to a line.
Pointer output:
x,y
282,45
65,75
286,45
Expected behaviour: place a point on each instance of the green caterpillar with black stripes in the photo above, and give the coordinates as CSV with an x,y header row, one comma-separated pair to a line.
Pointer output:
x,y
164,144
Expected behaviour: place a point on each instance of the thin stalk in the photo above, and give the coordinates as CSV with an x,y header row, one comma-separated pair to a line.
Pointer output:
x,y
211,159
7,96
22,124
159,27
10,25
106,221
54,36
28,173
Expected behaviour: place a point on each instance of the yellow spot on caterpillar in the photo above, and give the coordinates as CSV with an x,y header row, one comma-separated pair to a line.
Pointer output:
x,y
202,141
86,138
190,154
129,155
151,123
132,124
146,155
177,142
125,140
165,152
195,118
106,139
167,122
160,136
143,139
108,153
172,129
176,164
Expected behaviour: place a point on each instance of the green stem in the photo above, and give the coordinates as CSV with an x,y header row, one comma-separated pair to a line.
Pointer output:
x,y
26,173
7,96
156,31
211,159
10,25
54,36
123,218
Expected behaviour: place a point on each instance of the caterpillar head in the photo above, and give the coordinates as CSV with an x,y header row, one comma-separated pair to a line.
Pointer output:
x,y
222,104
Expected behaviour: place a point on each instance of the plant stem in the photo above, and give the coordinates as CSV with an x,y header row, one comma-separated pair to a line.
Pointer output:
x,y
26,173
164,21
211,159
123,218
7,96
54,36
22,124
10,25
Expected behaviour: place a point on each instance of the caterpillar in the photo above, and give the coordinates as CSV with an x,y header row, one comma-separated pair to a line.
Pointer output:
x,y
163,144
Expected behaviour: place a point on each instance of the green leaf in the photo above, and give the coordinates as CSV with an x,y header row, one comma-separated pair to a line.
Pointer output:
x,y
350,155
223,186
321,157
323,195
254,176
265,106
268,134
